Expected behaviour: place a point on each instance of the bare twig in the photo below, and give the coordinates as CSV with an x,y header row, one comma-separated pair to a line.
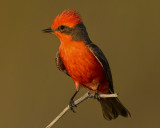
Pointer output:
x,y
78,101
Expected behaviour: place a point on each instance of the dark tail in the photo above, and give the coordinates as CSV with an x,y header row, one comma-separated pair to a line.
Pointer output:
x,y
112,108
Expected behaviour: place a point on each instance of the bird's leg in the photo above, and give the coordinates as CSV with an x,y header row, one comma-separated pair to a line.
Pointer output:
x,y
71,103
96,95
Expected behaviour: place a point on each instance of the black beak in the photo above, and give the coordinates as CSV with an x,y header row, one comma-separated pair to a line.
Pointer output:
x,y
48,30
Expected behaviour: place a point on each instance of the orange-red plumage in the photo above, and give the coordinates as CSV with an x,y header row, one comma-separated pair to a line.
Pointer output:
x,y
68,17
76,57
84,62
82,66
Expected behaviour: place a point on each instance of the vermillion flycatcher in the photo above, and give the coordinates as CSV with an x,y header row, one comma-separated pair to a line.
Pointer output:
x,y
84,62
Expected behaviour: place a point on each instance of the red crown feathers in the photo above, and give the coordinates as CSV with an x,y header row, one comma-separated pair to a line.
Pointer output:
x,y
68,18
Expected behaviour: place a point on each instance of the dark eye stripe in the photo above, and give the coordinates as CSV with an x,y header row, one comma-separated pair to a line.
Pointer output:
x,y
78,32
62,27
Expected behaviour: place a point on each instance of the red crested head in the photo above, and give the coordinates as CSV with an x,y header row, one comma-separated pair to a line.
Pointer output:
x,y
68,18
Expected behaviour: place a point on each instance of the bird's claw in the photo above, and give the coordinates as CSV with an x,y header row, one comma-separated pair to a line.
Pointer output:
x,y
72,105
97,96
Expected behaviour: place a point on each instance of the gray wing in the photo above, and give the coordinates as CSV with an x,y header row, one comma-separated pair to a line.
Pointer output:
x,y
59,63
103,61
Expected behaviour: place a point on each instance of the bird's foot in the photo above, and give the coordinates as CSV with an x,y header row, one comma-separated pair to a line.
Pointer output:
x,y
72,105
97,96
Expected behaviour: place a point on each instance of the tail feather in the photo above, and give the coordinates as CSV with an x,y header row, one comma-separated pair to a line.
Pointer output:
x,y
112,108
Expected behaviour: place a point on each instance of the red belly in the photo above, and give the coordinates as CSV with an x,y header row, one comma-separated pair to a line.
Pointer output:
x,y
82,65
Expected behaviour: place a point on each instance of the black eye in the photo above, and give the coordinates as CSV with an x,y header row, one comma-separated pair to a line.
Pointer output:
x,y
62,27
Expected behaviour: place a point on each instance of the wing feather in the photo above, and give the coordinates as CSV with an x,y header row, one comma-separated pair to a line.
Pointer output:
x,y
103,61
59,63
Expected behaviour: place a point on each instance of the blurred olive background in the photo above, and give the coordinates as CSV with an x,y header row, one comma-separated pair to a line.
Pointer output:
x,y
33,91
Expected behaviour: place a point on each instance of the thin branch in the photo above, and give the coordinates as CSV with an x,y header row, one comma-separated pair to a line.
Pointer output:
x,y
78,101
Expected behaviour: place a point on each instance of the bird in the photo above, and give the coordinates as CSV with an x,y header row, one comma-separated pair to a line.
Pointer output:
x,y
84,62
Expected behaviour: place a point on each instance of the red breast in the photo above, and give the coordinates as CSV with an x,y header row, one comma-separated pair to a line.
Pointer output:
x,y
82,65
